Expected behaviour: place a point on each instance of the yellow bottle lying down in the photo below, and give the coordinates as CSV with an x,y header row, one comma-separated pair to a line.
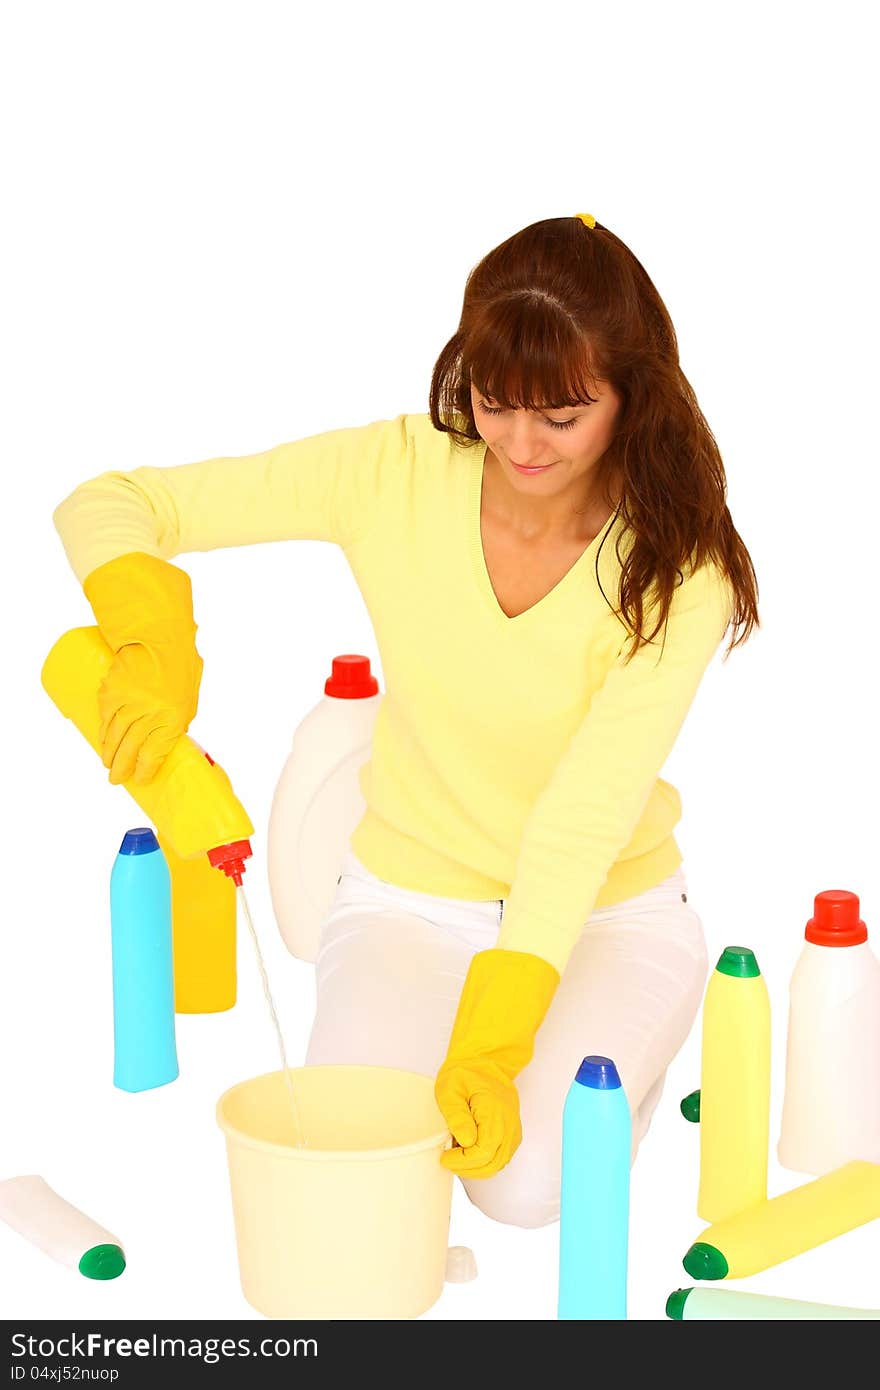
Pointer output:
x,y
770,1232
200,823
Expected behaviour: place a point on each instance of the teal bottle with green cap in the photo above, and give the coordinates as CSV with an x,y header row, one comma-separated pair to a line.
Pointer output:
x,y
734,1087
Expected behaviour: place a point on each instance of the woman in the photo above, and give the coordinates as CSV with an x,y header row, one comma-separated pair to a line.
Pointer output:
x,y
549,565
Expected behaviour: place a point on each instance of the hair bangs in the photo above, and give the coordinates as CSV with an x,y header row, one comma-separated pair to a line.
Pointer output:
x,y
530,361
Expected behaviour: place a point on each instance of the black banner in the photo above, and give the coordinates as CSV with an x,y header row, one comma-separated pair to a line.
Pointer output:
x,y
276,1352
468,1354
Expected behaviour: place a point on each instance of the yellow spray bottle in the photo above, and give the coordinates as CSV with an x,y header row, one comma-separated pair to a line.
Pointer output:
x,y
201,824
203,926
735,1087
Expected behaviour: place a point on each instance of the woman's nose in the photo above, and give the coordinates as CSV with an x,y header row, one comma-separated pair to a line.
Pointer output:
x,y
524,447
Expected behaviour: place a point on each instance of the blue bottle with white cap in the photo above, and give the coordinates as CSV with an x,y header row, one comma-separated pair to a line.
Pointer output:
x,y
594,1215
145,1051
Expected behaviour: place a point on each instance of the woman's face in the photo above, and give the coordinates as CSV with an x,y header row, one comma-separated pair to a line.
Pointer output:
x,y
567,443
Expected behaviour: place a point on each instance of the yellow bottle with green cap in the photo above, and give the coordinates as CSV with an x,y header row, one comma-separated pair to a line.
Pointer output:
x,y
734,1087
774,1231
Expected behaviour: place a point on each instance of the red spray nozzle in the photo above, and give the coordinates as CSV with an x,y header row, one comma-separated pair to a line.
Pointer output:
x,y
230,858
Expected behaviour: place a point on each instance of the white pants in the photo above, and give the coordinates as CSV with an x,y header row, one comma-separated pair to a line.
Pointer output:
x,y
390,969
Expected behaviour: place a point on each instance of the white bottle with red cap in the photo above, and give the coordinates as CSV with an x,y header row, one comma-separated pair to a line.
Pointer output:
x,y
318,802
831,1110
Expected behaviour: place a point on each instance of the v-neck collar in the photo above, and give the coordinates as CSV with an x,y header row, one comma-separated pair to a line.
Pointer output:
x,y
478,558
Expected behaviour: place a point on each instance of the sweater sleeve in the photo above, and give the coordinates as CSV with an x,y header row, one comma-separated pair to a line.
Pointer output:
x,y
323,487
588,811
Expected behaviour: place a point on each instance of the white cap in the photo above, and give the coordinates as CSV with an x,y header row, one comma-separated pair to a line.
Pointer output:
x,y
461,1267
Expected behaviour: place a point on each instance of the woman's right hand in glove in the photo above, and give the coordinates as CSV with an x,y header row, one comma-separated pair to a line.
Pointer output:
x,y
143,606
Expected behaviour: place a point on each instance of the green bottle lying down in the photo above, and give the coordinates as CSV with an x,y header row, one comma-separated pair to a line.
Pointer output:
x,y
705,1305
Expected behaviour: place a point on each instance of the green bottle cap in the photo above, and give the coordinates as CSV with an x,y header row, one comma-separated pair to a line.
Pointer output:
x,y
738,960
703,1261
102,1262
675,1303
690,1107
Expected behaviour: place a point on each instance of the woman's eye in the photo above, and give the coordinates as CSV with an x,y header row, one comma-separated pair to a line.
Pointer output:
x,y
555,424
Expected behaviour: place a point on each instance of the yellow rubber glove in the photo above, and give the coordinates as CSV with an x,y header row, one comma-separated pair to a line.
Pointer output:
x,y
503,1002
150,694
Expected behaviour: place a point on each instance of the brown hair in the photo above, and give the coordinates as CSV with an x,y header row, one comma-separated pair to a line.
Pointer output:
x,y
559,305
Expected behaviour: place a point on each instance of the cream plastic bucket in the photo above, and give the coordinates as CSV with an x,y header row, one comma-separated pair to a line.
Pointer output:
x,y
355,1225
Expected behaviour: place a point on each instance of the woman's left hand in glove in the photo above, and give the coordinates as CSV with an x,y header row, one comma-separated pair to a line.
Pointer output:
x,y
505,997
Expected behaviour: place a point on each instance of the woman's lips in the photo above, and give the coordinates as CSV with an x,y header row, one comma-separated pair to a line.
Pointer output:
x,y
529,471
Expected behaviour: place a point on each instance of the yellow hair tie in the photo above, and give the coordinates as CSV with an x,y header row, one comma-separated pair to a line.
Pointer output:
x,y
587,218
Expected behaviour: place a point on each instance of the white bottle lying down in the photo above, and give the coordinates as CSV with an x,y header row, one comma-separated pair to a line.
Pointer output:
x,y
31,1207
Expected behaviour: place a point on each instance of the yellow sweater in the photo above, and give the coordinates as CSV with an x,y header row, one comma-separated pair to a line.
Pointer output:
x,y
512,758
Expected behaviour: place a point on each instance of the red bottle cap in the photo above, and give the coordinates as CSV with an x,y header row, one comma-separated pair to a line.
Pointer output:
x,y
230,858
351,679
835,920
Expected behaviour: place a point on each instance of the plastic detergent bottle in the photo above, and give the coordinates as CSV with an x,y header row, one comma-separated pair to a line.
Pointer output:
x,y
735,1087
711,1304
318,802
145,1054
190,800
831,1107
32,1208
774,1231
594,1207
198,818
203,917
198,815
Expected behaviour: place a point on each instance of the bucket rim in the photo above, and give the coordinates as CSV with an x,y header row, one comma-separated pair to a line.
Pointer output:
x,y
241,1137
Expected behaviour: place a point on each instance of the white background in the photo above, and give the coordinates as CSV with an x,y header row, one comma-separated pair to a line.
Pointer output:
x,y
230,225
